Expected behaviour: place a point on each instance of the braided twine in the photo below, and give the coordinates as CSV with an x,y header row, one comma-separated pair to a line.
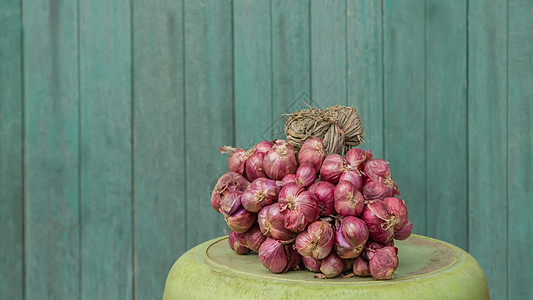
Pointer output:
x,y
338,127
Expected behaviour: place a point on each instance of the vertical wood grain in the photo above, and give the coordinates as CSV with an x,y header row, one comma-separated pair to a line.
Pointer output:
x,y
446,104
11,159
252,70
328,52
159,148
291,67
487,140
520,150
364,78
209,111
404,50
106,150
51,139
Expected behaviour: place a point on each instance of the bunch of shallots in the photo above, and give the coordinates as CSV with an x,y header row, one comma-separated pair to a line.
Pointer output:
x,y
332,215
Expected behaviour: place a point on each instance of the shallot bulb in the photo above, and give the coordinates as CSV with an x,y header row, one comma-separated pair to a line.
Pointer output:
x,y
378,170
254,166
279,160
262,191
354,177
372,245
376,190
215,201
348,200
358,157
331,266
351,237
289,178
383,262
232,182
241,220
312,152
380,224
254,238
235,245
302,206
277,256
316,241
237,159
360,267
305,175
272,223
262,147
312,264
397,212
404,232
335,166
230,202
324,192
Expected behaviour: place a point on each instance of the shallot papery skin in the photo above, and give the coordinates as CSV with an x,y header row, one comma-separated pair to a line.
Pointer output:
x,y
397,211
312,264
254,238
272,223
353,177
324,192
305,175
289,178
262,191
378,219
272,255
312,152
232,182
254,166
279,160
332,168
351,237
348,200
376,168
332,265
235,245
376,190
358,157
372,245
230,202
241,220
262,147
360,267
303,210
404,232
293,257
215,201
383,263
316,241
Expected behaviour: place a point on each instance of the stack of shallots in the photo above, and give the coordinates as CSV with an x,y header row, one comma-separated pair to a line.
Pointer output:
x,y
332,215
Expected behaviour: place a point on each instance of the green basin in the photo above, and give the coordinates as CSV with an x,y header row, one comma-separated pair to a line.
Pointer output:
x,y
428,269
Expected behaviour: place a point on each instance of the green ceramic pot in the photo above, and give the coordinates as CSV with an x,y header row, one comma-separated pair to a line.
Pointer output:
x,y
428,269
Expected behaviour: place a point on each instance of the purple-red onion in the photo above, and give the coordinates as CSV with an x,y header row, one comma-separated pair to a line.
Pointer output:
x,y
232,182
348,200
354,177
360,267
358,157
305,175
376,168
254,166
316,241
380,224
279,160
289,178
254,238
397,212
263,147
351,237
404,232
230,202
312,264
236,245
262,191
324,192
383,262
277,256
372,245
241,220
215,201
272,223
376,190
312,152
331,266
237,159
332,168
302,206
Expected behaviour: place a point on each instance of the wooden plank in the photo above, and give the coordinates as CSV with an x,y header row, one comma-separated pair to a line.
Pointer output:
x,y
106,150
365,69
159,172
51,139
252,71
11,160
328,52
291,66
209,111
446,136
404,122
520,150
487,140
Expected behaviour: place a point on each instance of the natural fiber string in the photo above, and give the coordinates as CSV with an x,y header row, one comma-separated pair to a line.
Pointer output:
x,y
338,127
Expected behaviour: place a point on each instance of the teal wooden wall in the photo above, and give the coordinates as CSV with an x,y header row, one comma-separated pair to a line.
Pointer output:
x,y
111,114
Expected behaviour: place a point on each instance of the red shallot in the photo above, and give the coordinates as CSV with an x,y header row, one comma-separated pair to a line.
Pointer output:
x,y
272,223
311,264
312,152
262,191
404,232
348,200
331,266
383,262
235,245
241,220
324,192
360,267
316,241
351,236
279,160
254,238
358,157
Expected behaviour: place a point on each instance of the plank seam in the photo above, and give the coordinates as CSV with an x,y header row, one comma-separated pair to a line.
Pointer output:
x,y
507,292
425,119
80,221
23,134
310,50
346,79
233,68
271,74
184,119
467,28
132,95
383,79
